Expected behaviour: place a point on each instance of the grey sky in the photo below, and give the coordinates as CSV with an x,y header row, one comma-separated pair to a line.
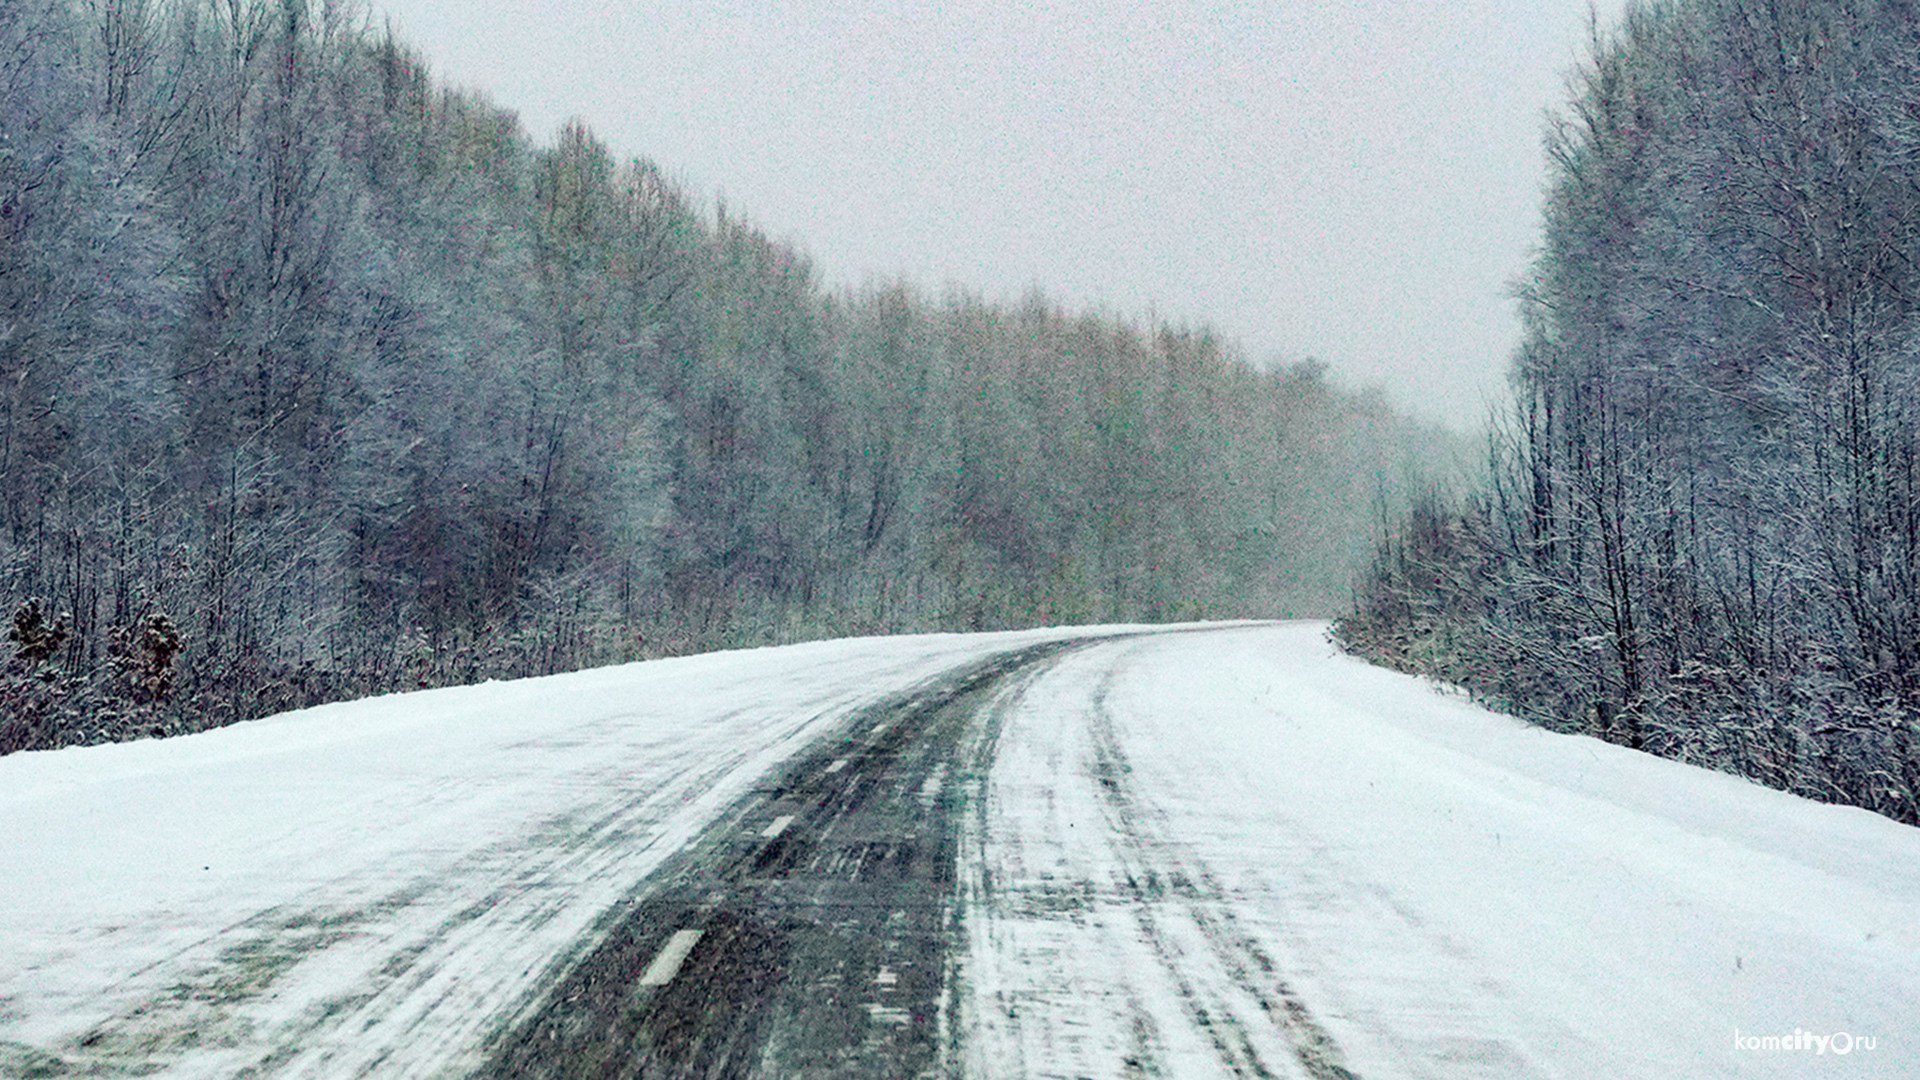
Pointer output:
x,y
1351,179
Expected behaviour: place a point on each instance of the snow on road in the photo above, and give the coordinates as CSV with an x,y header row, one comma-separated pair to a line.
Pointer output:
x,y
368,886
1243,853
1195,854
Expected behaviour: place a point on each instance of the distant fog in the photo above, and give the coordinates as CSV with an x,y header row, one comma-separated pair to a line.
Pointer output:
x,y
1356,181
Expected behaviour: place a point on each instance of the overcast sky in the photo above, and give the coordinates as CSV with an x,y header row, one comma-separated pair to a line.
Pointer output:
x,y
1356,180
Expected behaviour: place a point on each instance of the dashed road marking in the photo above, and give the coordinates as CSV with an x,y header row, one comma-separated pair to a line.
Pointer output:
x,y
879,730
779,826
674,953
930,788
836,766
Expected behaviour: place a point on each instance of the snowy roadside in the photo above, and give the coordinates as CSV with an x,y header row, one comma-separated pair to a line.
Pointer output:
x,y
372,884
1244,853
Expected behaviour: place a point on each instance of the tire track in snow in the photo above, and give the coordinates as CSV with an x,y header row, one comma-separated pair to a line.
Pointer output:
x,y
1099,944
1200,898
415,1002
405,999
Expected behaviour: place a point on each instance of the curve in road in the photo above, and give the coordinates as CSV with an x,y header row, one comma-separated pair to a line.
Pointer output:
x,y
808,931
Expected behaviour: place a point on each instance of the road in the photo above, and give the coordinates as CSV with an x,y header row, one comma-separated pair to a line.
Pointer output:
x,y
370,888
809,931
816,929
1227,851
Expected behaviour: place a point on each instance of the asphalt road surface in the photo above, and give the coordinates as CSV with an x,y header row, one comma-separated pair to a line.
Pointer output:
x,y
810,930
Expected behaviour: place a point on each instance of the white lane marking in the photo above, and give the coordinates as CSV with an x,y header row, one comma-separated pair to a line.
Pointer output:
x,y
879,730
674,953
930,789
886,977
836,766
779,826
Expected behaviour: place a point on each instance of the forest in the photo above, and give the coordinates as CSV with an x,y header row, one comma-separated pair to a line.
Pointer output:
x,y
321,378
1700,530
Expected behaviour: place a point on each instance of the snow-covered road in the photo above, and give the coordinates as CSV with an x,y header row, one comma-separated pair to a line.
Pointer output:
x,y
372,886
1217,853
1242,853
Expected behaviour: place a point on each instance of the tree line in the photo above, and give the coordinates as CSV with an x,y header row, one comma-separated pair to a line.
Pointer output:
x,y
320,378
1700,534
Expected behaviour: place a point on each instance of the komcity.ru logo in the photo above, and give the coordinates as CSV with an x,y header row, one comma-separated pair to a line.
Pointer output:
x,y
1840,1042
